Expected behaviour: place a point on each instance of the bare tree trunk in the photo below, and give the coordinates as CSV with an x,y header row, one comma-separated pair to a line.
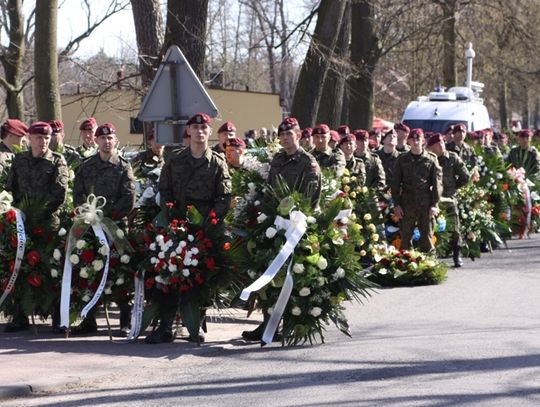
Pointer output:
x,y
525,109
311,80
285,70
186,27
503,103
331,104
149,31
449,9
365,53
46,61
11,58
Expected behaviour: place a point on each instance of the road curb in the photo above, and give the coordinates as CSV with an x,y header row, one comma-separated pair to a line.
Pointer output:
x,y
24,390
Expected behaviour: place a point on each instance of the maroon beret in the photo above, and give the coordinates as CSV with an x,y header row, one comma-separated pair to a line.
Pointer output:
x,y
343,130
347,138
361,134
88,124
321,129
288,123
416,133
40,128
306,133
525,133
435,138
15,127
449,129
227,127
57,126
459,127
401,126
334,135
199,118
105,130
375,132
235,142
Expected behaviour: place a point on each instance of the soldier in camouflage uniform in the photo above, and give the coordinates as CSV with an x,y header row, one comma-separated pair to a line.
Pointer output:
x,y
195,176
354,164
455,175
300,171
460,147
39,178
416,190
225,132
388,155
325,156
70,153
87,134
306,142
108,175
375,177
402,131
12,133
524,155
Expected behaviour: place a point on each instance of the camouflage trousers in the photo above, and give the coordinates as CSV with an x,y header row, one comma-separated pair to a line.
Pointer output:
x,y
416,216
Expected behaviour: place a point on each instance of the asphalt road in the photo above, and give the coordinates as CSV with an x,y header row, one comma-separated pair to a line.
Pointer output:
x,y
472,341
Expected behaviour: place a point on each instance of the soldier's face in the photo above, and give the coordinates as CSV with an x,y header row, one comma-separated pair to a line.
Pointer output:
x,y
459,136
307,142
402,136
416,144
437,148
362,146
56,139
225,135
348,147
106,143
200,133
234,155
524,142
321,141
290,139
157,149
390,140
88,137
39,143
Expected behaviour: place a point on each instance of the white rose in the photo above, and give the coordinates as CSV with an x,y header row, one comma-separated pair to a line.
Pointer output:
x,y
182,244
296,311
252,274
108,291
83,273
194,250
322,263
159,238
62,232
119,281
190,238
125,259
185,272
304,292
173,268
298,268
261,218
86,298
161,255
54,273
315,311
80,244
74,259
321,281
104,250
187,261
340,273
120,233
152,246
57,255
97,264
270,232
153,260
194,262
367,217
383,271
257,203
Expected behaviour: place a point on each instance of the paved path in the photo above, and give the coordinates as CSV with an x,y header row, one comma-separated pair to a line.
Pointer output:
x,y
474,340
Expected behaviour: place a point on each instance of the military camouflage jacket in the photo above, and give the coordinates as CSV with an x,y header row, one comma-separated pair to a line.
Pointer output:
x,y
528,159
454,173
145,162
6,155
333,159
85,152
375,177
357,168
465,152
111,179
71,155
42,179
217,148
388,160
417,180
202,182
300,171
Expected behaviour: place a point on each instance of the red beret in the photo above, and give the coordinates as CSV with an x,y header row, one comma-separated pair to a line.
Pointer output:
x,y
199,118
288,123
88,124
449,129
40,128
235,142
343,130
525,133
105,130
416,133
334,135
306,133
57,126
459,127
401,126
347,138
361,134
227,127
435,138
321,129
15,127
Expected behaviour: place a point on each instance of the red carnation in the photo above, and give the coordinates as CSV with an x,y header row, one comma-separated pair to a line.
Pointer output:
x,y
150,283
210,263
34,280
199,279
11,216
169,205
88,256
38,231
114,261
184,288
212,214
11,266
214,221
227,246
33,258
199,235
13,241
83,283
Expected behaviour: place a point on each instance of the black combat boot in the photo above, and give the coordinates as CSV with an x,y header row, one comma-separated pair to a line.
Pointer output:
x,y
458,261
163,334
125,320
19,322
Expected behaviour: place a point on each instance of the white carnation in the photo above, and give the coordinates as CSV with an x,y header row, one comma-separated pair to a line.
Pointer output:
x,y
296,311
86,298
315,311
194,262
322,263
125,259
191,238
270,232
152,246
298,268
304,292
185,272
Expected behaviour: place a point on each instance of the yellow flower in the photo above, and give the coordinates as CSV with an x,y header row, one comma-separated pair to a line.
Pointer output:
x,y
346,180
367,217
346,188
362,253
375,237
353,194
